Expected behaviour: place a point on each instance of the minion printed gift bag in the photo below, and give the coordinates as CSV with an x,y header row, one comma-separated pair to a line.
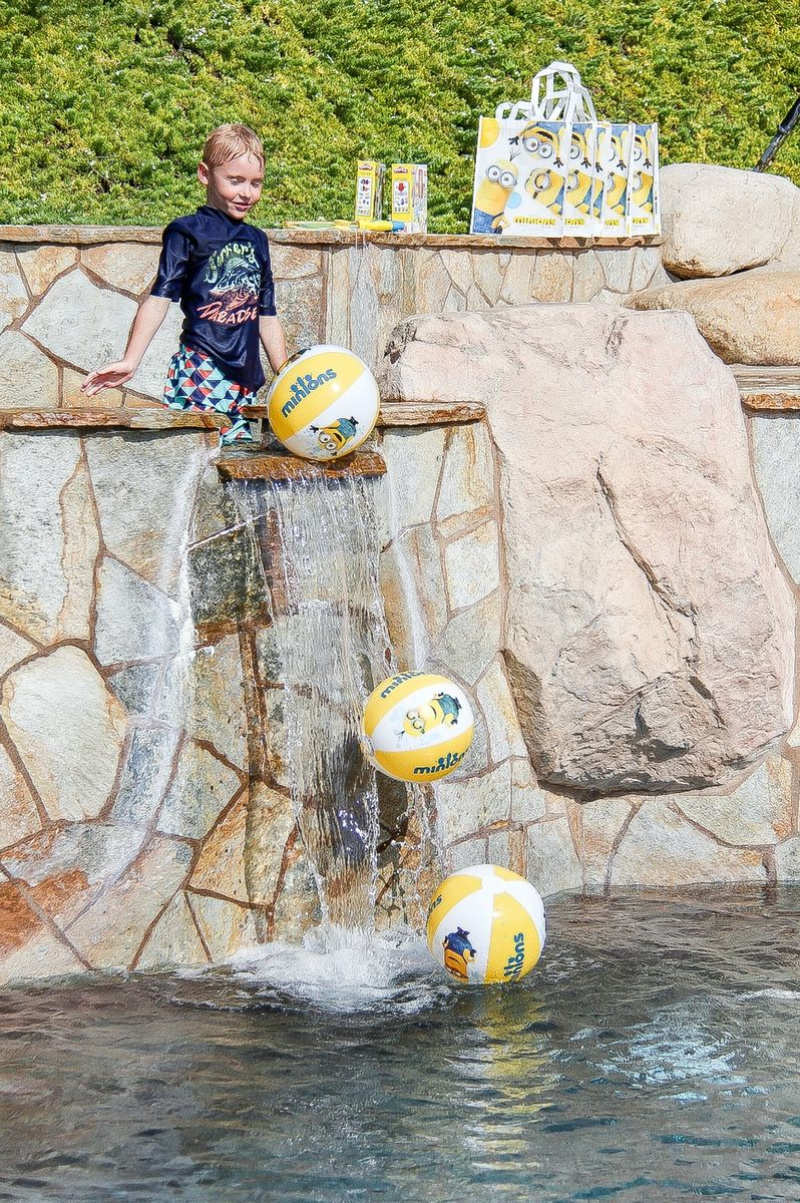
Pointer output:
x,y
548,167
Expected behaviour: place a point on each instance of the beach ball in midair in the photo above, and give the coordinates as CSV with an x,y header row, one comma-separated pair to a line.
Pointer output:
x,y
417,726
323,403
486,924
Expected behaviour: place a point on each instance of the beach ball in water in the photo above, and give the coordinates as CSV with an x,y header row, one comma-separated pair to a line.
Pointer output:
x,y
417,726
486,924
323,403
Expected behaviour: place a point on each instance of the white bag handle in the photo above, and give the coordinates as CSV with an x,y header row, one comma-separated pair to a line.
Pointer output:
x,y
565,98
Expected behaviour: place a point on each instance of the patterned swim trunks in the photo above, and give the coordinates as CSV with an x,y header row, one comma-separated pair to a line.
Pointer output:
x,y
195,382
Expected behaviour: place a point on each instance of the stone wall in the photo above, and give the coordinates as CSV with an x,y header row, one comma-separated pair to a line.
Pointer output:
x,y
443,556
68,295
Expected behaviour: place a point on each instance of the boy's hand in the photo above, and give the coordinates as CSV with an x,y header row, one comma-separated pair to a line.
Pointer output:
x,y
113,375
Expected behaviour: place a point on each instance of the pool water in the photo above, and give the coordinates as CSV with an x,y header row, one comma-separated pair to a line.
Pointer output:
x,y
654,1054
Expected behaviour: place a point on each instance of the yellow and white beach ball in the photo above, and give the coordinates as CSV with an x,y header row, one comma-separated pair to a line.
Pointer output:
x,y
417,726
323,403
486,924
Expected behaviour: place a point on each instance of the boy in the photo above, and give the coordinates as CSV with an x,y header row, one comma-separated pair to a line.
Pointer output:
x,y
218,268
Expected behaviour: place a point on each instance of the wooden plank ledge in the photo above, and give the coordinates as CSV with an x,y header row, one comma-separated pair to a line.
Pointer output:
x,y
407,413
286,468
768,388
109,419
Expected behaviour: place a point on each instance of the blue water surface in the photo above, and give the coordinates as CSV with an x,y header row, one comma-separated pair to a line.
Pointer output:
x,y
653,1054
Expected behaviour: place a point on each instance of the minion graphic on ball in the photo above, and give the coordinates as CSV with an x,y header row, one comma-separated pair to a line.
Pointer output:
x,y
492,197
333,438
442,710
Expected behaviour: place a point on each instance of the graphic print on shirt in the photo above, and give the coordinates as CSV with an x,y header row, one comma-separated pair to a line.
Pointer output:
x,y
234,276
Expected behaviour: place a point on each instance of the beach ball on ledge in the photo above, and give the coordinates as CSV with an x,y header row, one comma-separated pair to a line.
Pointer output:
x,y
486,924
323,403
417,726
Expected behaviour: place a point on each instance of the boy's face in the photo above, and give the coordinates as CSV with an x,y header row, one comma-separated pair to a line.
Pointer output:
x,y
233,187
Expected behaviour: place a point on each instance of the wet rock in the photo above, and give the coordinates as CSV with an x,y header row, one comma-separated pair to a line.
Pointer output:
x,y
174,940
18,814
68,730
203,786
135,621
553,865
144,486
50,538
660,848
67,868
649,633
112,930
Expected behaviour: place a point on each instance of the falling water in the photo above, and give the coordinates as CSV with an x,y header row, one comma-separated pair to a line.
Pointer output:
x,y
318,552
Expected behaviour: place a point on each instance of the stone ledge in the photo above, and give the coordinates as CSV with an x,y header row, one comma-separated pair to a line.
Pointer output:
x,y
766,388
151,235
405,413
247,465
120,419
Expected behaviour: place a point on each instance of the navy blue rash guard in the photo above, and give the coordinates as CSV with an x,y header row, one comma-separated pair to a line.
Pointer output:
x,y
219,270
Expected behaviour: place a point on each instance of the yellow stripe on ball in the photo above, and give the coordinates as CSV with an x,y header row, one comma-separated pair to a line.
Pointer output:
x,y
309,387
515,946
425,764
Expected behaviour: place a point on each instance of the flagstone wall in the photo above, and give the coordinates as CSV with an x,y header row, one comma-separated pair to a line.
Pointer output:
x,y
68,295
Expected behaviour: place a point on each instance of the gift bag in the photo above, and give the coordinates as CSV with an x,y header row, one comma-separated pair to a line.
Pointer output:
x,y
548,167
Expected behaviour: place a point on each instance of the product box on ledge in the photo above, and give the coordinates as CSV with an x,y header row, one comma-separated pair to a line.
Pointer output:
x,y
410,197
369,190
547,167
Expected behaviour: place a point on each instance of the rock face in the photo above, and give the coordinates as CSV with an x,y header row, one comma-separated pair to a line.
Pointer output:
x,y
719,220
649,633
750,318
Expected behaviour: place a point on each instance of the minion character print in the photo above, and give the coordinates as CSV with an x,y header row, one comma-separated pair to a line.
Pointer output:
x,y
417,726
581,178
333,439
541,143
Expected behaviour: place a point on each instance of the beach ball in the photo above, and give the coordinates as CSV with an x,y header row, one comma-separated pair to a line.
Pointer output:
x,y
323,403
486,924
417,726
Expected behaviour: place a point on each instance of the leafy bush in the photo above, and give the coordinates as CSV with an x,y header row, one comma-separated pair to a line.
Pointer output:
x,y
105,103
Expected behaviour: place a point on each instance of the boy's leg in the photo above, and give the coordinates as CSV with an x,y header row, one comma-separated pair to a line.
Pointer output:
x,y
194,382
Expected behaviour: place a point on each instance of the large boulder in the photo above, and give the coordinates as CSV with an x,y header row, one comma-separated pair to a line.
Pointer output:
x,y
649,632
752,318
719,220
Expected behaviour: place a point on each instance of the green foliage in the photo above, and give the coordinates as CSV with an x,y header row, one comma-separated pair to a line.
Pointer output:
x,y
105,103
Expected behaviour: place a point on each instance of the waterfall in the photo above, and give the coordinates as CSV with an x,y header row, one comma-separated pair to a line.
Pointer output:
x,y
317,548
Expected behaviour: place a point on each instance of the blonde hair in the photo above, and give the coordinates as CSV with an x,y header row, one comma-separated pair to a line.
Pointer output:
x,y
228,142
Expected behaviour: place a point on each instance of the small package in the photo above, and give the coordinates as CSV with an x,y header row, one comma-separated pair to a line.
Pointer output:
x,y
410,197
369,190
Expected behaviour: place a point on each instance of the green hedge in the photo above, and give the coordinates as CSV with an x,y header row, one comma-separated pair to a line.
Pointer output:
x,y
104,105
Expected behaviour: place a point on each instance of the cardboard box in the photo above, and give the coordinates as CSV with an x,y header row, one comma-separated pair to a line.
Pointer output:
x,y
369,189
410,196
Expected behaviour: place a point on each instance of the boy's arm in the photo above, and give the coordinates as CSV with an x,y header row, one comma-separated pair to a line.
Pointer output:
x,y
273,341
149,317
